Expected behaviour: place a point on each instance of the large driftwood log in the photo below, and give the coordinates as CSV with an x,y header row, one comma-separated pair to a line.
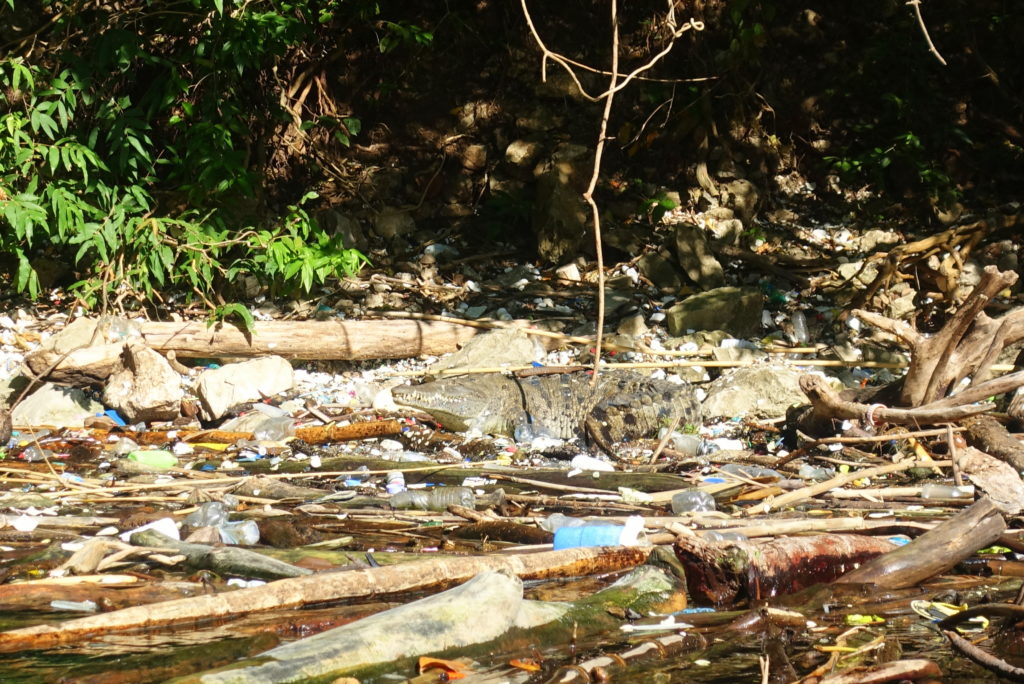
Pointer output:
x,y
935,551
95,360
330,340
325,587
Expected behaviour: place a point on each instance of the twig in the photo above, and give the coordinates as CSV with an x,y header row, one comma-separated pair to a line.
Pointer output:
x,y
916,4
838,481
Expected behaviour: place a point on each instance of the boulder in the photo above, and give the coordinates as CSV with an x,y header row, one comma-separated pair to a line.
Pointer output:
x,y
221,388
57,406
736,310
758,391
696,258
146,388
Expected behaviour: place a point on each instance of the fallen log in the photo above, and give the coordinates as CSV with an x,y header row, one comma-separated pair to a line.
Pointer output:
x,y
933,552
320,588
722,573
327,340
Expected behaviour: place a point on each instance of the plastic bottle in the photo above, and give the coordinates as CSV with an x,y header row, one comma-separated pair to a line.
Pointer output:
x,y
79,606
799,322
714,535
809,472
241,532
156,458
940,491
437,499
556,520
33,454
209,514
692,501
274,429
600,534
396,482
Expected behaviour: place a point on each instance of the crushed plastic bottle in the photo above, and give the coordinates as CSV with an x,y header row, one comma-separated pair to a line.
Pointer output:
x,y
750,471
274,429
436,499
600,534
209,514
818,474
692,501
215,514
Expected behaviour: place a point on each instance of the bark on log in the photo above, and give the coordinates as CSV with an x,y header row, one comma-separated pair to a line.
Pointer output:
x,y
326,340
989,435
723,572
935,551
299,591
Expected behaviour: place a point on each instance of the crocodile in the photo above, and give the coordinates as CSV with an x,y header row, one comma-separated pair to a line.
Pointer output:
x,y
624,405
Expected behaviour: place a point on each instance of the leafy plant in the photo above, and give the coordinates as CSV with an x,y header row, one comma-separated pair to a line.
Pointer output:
x,y
129,152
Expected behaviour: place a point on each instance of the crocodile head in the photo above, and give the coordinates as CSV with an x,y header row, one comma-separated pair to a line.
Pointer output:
x,y
461,405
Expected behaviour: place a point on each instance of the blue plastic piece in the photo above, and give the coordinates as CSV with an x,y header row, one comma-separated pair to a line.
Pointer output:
x,y
113,415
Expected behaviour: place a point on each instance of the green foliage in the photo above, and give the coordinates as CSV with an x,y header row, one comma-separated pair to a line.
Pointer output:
x,y
130,151
228,312
656,207
298,250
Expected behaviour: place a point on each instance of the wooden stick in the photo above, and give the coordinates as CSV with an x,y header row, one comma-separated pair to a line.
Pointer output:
x,y
837,481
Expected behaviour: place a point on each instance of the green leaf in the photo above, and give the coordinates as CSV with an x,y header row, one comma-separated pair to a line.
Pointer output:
x,y
223,313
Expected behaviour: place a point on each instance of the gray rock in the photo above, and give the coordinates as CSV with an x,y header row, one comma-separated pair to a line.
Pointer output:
x,y
727,232
474,157
875,239
392,222
632,326
696,258
523,154
660,271
87,350
560,218
501,347
733,309
221,388
860,279
742,197
57,406
146,388
738,354
335,222
761,391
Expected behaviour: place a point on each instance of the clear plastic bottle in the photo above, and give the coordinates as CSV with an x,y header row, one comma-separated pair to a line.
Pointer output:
x,y
799,322
941,491
819,474
692,501
436,499
209,514
557,520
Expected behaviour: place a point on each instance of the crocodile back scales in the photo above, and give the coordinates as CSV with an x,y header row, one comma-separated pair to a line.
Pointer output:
x,y
624,405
